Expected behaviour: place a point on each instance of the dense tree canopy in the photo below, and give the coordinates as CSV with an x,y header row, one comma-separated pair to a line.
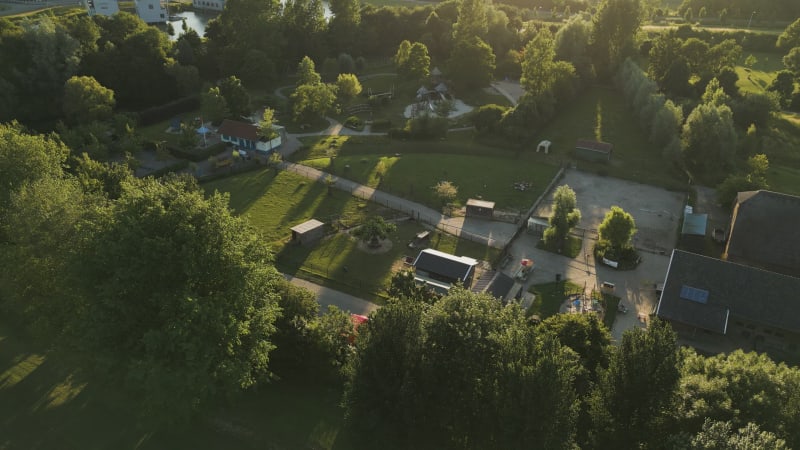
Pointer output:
x,y
564,217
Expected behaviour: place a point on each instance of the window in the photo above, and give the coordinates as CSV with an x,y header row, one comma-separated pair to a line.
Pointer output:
x,y
150,6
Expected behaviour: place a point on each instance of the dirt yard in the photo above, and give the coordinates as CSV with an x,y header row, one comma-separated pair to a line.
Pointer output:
x,y
657,212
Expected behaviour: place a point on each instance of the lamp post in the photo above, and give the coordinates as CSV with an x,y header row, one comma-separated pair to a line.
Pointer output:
x,y
751,19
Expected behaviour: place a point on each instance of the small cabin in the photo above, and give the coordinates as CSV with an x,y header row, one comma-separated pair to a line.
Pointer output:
x,y
480,209
593,150
308,233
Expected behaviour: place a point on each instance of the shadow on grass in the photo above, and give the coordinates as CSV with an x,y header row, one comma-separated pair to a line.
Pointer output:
x,y
244,189
550,297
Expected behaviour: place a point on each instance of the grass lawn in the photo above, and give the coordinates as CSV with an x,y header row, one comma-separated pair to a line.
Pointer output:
x,y
338,262
760,76
275,203
46,404
572,247
550,297
157,132
477,169
602,113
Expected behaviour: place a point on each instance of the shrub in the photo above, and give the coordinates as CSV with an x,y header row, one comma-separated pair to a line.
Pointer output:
x,y
381,125
354,122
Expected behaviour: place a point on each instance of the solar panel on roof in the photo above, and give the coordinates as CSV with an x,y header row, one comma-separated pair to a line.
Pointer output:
x,y
694,294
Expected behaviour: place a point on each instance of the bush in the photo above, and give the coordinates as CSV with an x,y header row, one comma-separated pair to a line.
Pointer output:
x,y
381,125
398,133
199,155
427,127
166,111
354,123
626,256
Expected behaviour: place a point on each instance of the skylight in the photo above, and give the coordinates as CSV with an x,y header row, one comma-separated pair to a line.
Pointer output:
x,y
694,294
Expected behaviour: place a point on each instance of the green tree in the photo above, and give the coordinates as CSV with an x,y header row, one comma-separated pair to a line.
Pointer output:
x,y
189,138
471,64
618,227
182,298
345,23
304,27
403,286
472,21
632,397
540,71
266,128
307,73
572,44
750,61
715,95
25,158
790,37
446,191
709,138
754,179
755,108
565,216
374,230
236,96
792,61
348,87
310,100
486,118
213,106
720,435
418,63
402,55
615,26
86,100
783,85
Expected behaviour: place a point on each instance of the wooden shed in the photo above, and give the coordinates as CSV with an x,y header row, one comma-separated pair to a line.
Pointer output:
x,y
480,209
307,233
593,150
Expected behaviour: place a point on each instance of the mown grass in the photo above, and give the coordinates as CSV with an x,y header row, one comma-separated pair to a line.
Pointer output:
x,y
411,169
46,403
550,297
760,76
571,248
276,202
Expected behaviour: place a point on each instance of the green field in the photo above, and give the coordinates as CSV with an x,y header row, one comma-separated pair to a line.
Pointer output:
x,y
46,404
550,297
477,170
274,204
760,76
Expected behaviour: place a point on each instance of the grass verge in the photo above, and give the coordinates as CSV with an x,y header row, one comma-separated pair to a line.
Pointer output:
x,y
550,297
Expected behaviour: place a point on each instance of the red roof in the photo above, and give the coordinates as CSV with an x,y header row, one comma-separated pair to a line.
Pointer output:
x,y
239,129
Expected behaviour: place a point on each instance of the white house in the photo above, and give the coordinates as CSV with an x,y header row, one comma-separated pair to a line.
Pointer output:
x,y
245,136
151,11
212,5
101,7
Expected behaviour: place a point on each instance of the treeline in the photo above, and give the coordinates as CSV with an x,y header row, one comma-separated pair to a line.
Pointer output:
x,y
760,10
467,372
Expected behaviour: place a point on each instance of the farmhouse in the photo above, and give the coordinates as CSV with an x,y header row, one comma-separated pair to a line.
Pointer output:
x,y
718,306
440,270
245,136
593,150
763,232
151,11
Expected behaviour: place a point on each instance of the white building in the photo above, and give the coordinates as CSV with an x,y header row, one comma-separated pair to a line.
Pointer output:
x,y
211,5
151,11
101,7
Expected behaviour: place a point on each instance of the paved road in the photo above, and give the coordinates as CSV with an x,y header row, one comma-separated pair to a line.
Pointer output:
x,y
327,296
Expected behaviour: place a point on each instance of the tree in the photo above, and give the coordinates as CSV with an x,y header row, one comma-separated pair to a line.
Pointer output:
x,y
783,85
403,286
632,396
304,26
615,26
708,138
720,435
236,96
213,106
266,128
189,138
618,227
792,61
418,63
444,108
347,87
182,298
486,119
345,23
306,73
572,44
715,95
471,64
755,108
754,179
330,69
86,100
565,216
540,71
310,100
790,37
446,191
472,21
374,230
401,56
25,158
750,61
